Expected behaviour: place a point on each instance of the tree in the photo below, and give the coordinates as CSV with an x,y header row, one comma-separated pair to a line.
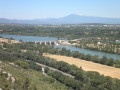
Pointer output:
x,y
103,60
20,40
95,58
88,57
110,62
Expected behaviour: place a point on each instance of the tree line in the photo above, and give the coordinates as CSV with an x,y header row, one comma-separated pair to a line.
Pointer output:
x,y
72,32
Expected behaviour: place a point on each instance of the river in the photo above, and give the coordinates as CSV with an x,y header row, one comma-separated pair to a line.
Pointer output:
x,y
91,52
85,51
29,38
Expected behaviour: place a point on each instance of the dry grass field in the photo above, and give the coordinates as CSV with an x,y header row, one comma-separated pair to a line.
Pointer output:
x,y
88,66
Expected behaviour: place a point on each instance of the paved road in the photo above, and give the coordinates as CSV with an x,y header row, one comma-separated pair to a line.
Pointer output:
x,y
55,70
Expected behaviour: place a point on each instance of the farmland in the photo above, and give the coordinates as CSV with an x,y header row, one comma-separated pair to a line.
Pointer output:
x,y
88,66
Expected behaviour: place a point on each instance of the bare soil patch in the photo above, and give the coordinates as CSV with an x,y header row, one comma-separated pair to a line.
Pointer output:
x,y
7,40
88,65
1,30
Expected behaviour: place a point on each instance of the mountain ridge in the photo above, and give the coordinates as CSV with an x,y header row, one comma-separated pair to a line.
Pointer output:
x,y
70,19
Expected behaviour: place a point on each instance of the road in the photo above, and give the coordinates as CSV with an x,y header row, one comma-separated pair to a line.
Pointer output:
x,y
55,70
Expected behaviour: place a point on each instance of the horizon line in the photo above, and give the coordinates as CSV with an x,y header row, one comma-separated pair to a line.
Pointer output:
x,y
59,17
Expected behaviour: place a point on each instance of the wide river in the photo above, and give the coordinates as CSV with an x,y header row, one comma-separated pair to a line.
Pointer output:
x,y
85,51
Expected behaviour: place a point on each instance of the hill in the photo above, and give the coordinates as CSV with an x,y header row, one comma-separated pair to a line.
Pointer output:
x,y
18,78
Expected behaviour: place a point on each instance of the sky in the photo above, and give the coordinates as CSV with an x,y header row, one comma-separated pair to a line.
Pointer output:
x,y
38,9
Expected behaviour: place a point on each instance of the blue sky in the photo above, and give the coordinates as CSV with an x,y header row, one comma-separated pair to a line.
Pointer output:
x,y
36,9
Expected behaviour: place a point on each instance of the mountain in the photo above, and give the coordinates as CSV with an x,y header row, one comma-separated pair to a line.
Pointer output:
x,y
70,19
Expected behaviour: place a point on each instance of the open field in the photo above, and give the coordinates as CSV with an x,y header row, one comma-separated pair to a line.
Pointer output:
x,y
88,66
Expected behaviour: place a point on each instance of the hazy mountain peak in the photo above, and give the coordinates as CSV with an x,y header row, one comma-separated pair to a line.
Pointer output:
x,y
70,19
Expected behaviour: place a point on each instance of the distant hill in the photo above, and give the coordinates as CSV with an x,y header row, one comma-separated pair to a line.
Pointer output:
x,y
70,19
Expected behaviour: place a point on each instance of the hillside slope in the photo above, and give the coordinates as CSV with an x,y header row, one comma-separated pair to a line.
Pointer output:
x,y
34,79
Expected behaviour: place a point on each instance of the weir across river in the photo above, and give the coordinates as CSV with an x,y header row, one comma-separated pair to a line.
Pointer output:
x,y
47,42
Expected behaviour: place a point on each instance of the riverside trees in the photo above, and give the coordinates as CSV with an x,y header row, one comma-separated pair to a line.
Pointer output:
x,y
99,45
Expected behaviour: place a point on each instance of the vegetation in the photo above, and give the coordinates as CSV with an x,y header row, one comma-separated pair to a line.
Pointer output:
x,y
99,45
19,60
27,79
19,53
33,52
70,82
109,32
91,81
104,60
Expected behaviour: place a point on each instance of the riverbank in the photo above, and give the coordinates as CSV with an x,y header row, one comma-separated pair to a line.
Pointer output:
x,y
88,66
3,40
69,47
106,46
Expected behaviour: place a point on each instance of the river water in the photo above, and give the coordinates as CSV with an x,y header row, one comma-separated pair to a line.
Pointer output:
x,y
91,52
71,48
29,38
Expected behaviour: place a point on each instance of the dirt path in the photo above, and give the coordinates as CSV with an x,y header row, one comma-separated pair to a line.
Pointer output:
x,y
88,66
